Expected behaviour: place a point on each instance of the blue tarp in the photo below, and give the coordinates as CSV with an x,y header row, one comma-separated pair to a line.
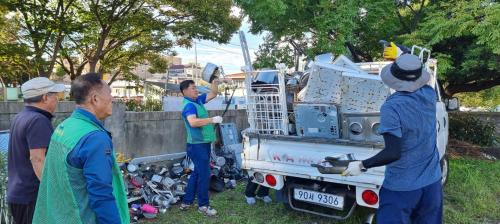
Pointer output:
x,y
4,141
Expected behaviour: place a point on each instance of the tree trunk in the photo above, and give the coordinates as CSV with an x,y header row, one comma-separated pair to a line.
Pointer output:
x,y
453,89
94,59
113,78
296,55
54,54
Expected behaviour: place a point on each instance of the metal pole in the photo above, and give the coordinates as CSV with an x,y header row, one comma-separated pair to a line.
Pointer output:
x,y
195,74
246,54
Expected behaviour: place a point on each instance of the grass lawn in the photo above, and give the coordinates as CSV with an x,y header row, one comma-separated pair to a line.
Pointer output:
x,y
472,195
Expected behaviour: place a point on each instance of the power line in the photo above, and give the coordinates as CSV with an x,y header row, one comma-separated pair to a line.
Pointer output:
x,y
221,49
240,46
233,44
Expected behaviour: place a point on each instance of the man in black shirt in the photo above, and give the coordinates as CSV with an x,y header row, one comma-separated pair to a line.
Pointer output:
x,y
30,133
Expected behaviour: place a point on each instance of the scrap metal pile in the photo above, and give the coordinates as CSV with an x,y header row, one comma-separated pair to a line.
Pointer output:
x,y
152,188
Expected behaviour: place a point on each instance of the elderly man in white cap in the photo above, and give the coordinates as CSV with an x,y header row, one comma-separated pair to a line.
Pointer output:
x,y
411,191
30,133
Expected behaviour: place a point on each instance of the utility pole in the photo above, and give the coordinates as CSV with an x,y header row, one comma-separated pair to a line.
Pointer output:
x,y
195,73
296,54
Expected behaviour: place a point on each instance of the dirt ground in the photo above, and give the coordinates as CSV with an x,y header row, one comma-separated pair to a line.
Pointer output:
x,y
457,149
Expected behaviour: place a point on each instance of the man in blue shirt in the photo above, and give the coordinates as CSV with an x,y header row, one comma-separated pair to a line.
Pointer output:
x,y
200,135
81,168
411,191
30,133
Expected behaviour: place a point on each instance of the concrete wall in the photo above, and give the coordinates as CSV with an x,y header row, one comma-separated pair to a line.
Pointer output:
x,y
9,109
135,134
153,133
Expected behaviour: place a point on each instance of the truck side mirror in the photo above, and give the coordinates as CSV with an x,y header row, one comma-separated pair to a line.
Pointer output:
x,y
452,104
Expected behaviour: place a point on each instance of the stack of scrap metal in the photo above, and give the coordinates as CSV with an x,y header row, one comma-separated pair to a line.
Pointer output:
x,y
344,84
156,183
153,188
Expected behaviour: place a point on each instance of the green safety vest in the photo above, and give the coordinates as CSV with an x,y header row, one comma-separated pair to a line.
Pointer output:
x,y
205,134
58,200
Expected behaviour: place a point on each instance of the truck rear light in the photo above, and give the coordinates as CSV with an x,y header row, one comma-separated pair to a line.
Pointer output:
x,y
369,197
271,180
259,177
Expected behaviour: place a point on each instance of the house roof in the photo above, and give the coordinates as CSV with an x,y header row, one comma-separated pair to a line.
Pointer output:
x,y
177,67
176,88
233,76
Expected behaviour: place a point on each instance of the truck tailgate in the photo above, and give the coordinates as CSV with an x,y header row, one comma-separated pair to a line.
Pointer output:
x,y
293,156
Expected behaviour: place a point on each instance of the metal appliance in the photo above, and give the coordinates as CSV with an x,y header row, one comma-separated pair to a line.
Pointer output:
x,y
361,127
317,120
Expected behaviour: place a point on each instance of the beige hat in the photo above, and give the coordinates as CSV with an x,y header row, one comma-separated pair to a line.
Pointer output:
x,y
39,86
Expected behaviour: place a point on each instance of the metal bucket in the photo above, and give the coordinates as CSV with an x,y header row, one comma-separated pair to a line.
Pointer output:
x,y
210,72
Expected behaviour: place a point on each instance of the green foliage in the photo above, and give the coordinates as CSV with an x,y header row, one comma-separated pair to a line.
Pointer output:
x,y
152,105
14,63
3,172
60,71
467,128
3,185
148,105
489,98
325,26
158,65
114,36
42,27
272,52
464,37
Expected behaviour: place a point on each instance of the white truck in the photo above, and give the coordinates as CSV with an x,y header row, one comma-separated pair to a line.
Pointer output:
x,y
336,115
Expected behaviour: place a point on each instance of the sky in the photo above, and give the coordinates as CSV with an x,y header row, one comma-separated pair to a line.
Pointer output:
x,y
229,56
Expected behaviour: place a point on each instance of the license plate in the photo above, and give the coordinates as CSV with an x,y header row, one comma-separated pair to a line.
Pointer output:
x,y
325,199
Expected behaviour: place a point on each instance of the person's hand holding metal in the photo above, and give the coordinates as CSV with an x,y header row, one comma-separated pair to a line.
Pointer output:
x,y
353,169
217,119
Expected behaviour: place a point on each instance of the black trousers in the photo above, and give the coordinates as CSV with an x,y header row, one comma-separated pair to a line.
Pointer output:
x,y
251,187
22,213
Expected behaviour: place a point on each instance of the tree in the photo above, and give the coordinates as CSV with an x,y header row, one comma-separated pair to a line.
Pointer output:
x,y
158,64
43,23
325,26
272,52
15,66
488,98
126,31
464,37
107,35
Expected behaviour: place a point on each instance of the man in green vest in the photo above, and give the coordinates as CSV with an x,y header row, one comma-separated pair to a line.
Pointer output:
x,y
200,134
81,180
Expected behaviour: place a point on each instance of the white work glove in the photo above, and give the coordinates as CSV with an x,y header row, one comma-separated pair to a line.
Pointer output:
x,y
217,119
353,169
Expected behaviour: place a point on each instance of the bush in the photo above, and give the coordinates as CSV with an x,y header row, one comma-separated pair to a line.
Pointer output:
x,y
3,187
140,106
3,172
467,128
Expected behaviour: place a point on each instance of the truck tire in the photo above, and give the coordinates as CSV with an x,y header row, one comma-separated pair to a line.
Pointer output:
x,y
444,169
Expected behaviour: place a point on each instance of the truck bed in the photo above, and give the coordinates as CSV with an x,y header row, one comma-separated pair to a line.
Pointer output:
x,y
293,156
295,138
